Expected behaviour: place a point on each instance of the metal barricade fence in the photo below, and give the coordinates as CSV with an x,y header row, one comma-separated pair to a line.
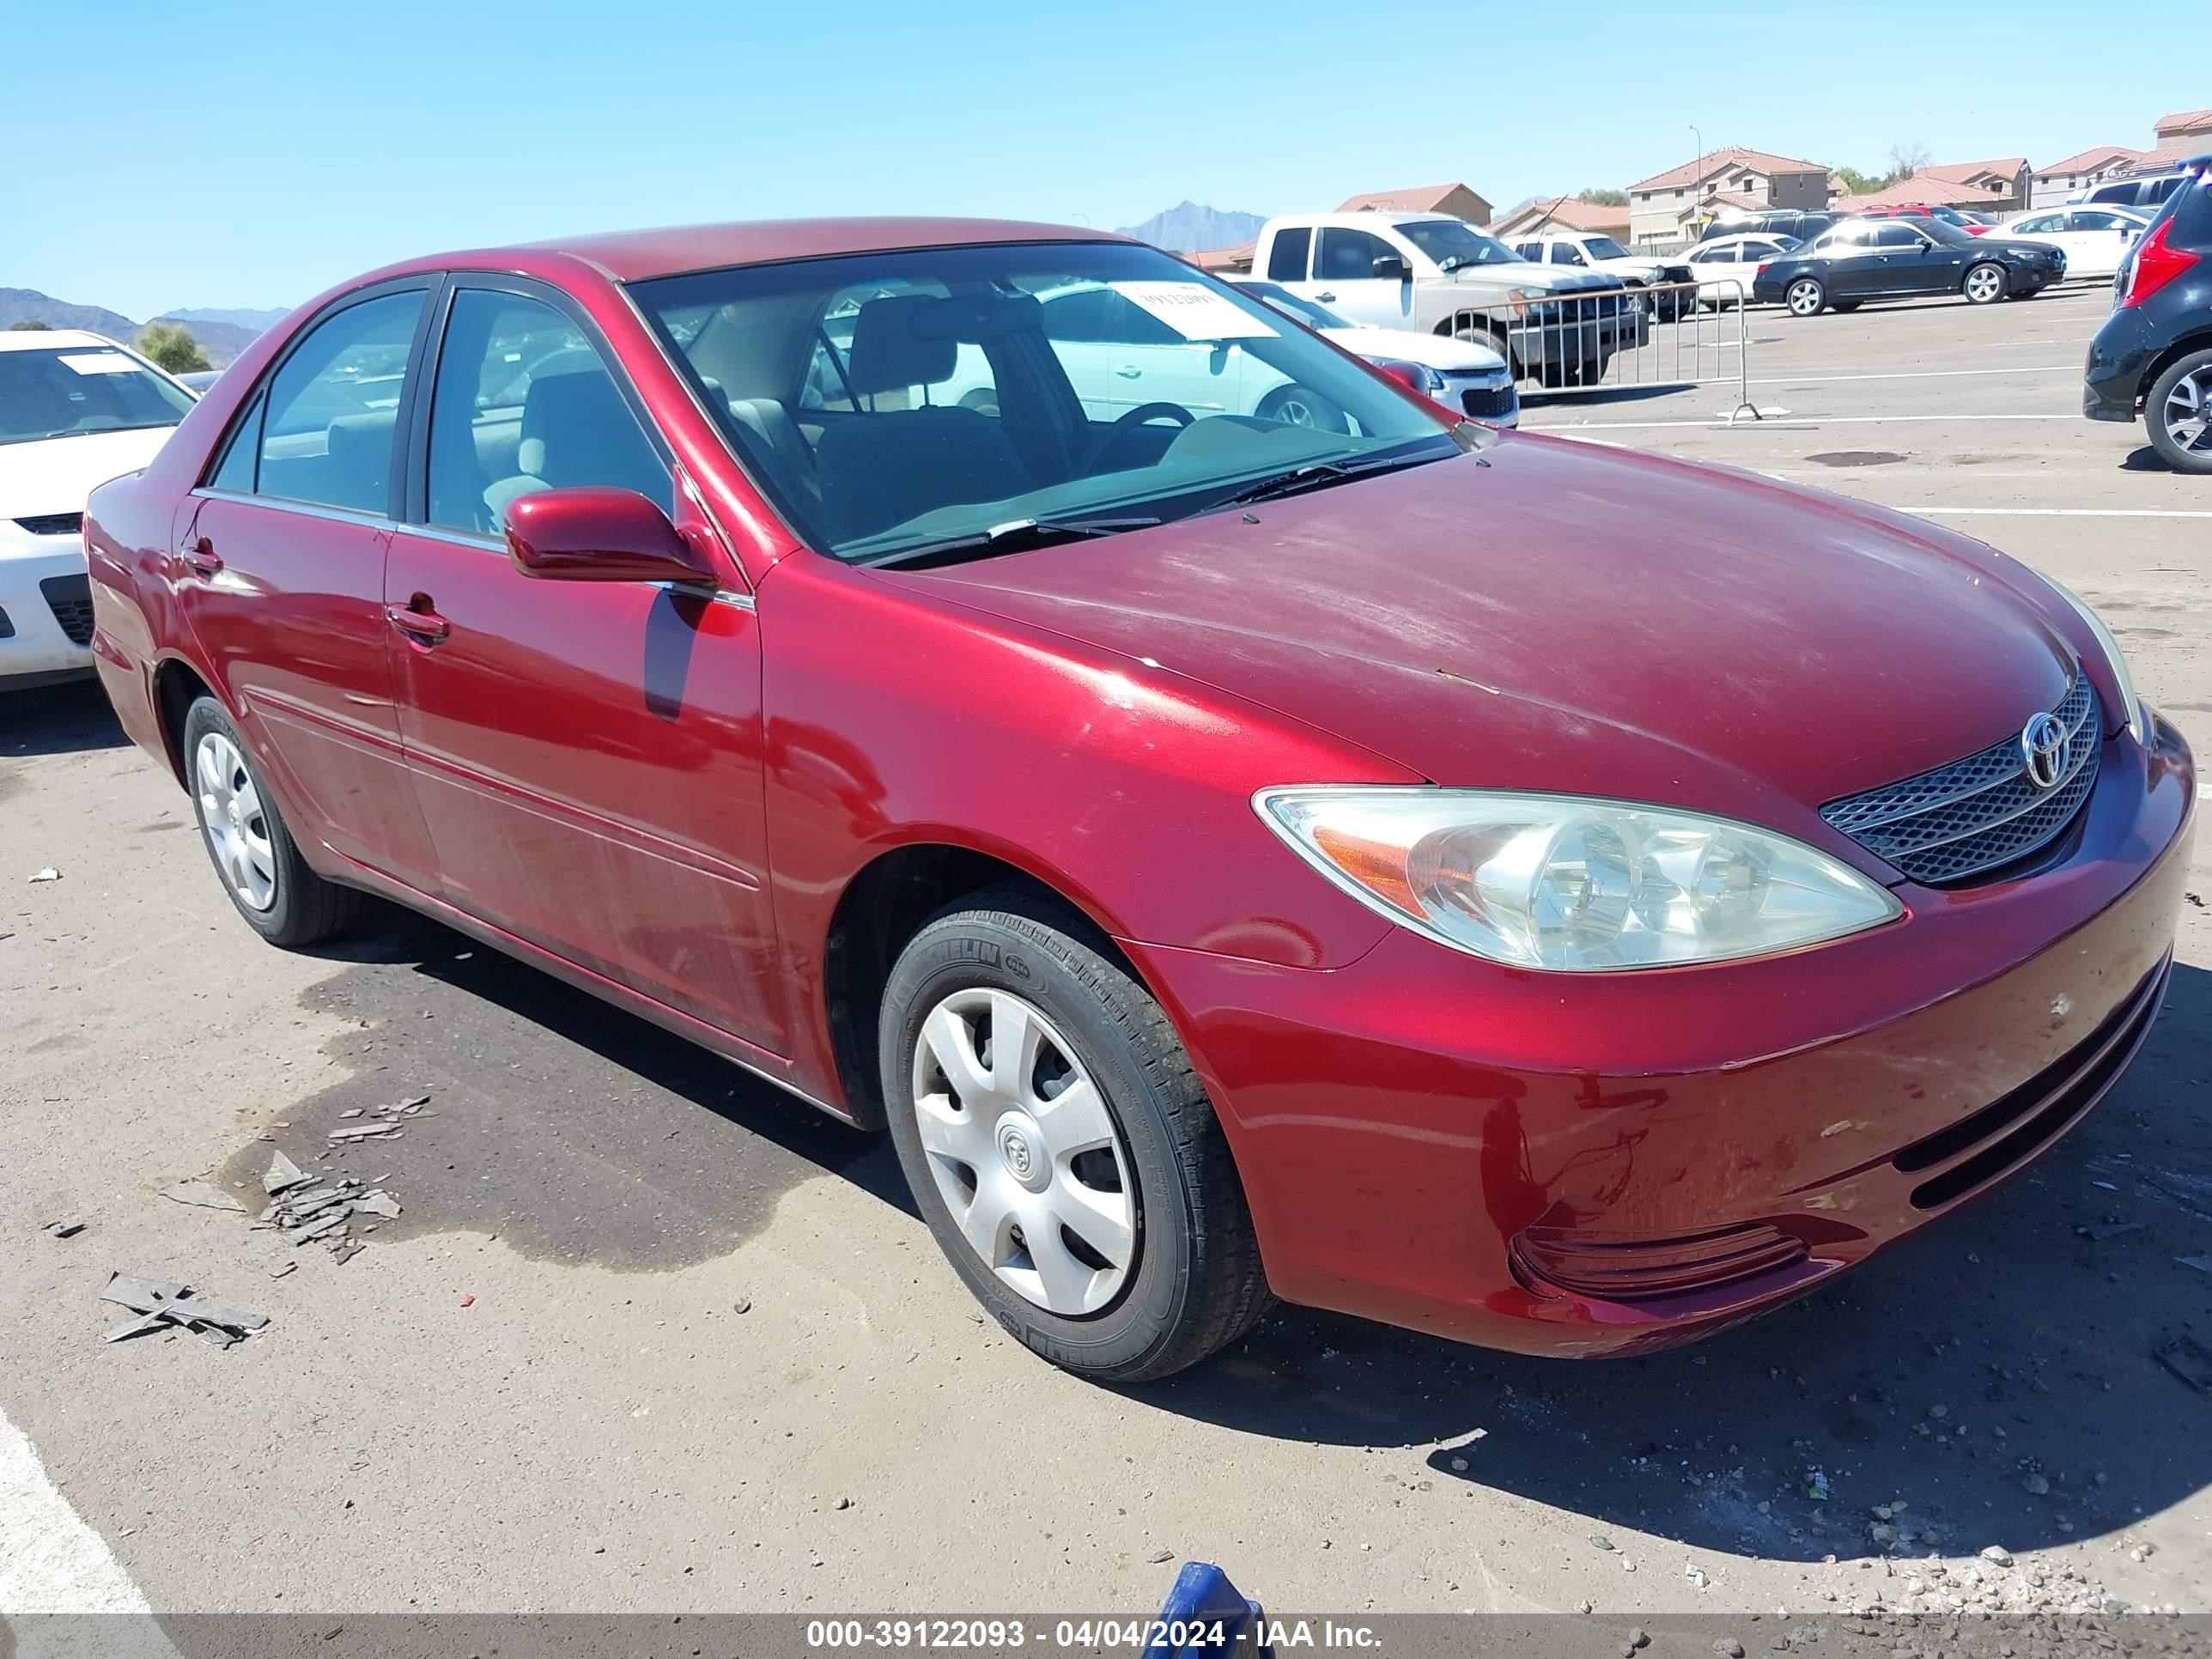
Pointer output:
x,y
1669,334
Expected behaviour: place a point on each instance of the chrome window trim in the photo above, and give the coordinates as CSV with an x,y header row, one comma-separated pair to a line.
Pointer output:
x,y
306,509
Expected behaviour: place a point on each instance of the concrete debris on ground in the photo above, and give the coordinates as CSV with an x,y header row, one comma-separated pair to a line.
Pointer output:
x,y
69,1228
203,1193
162,1302
313,1209
47,874
2190,1360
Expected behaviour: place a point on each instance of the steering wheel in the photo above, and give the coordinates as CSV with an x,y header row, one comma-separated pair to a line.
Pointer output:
x,y
1129,423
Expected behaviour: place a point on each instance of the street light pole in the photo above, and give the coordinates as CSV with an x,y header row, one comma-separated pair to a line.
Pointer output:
x,y
1698,199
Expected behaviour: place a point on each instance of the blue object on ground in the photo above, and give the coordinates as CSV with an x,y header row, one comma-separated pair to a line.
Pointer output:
x,y
1221,1618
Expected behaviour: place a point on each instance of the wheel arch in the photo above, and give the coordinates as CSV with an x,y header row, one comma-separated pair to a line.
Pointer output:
x,y
2196,340
880,909
177,686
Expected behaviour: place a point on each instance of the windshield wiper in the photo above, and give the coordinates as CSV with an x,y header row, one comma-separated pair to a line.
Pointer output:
x,y
1314,475
1013,537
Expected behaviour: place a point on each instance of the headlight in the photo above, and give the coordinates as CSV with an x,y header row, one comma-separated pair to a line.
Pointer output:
x,y
2138,714
1566,882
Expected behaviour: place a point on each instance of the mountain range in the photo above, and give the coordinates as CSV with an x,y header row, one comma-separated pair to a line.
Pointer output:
x,y
221,334
1188,226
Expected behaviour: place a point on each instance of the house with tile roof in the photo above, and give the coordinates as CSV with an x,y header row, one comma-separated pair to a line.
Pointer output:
x,y
2181,135
1454,198
1562,213
2049,187
2001,183
1666,209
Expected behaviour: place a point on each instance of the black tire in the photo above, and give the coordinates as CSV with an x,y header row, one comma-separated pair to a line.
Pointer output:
x,y
1195,1283
1301,405
2196,367
1990,295
303,907
1583,372
1497,342
1805,296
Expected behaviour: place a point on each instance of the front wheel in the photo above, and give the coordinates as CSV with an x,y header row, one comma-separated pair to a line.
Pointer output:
x,y
1060,1146
1806,297
1984,285
269,882
2179,412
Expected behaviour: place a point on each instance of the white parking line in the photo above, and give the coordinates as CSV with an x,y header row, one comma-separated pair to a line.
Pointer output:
x,y
1915,374
1721,423
49,1560
2058,511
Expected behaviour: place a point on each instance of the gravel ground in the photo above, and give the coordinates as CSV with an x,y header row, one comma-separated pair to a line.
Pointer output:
x,y
647,1336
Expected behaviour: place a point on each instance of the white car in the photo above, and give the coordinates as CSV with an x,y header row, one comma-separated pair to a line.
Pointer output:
x,y
2095,239
1467,379
1725,266
76,410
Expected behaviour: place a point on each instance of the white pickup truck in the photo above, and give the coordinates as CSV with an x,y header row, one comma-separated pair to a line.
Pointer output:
x,y
1438,275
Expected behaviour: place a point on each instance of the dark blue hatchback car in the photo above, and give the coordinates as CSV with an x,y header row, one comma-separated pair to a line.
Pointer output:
x,y
2152,357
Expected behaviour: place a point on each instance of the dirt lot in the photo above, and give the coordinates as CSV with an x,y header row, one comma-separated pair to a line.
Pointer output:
x,y
712,1361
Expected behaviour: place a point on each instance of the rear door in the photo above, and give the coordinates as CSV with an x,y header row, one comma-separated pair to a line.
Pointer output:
x,y
280,571
586,754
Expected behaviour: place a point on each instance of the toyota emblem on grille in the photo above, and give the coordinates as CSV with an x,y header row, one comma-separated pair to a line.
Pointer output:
x,y
2043,748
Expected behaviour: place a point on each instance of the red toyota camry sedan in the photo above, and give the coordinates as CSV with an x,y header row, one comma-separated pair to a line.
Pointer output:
x,y
1242,829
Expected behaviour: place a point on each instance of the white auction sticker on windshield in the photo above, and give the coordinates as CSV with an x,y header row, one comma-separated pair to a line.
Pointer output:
x,y
100,362
1196,312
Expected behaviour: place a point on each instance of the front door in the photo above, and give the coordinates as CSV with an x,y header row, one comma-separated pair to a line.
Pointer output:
x,y
587,754
280,560
1344,278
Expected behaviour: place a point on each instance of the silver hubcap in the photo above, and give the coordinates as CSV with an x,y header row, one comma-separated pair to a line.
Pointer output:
x,y
1296,412
1805,299
1983,284
2188,412
237,826
1023,1151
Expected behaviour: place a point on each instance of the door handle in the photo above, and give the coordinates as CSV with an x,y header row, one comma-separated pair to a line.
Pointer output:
x,y
1325,298
418,621
1129,373
200,558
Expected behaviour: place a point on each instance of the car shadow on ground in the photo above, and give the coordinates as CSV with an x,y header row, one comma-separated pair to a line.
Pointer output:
x,y
1997,1372
1551,398
58,719
2144,458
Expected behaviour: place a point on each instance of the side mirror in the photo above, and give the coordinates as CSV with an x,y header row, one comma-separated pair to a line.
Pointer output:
x,y
1390,268
592,534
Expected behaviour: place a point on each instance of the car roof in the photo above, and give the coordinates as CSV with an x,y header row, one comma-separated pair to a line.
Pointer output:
x,y
631,256
31,339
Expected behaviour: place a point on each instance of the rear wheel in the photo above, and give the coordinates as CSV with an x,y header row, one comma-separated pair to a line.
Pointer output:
x,y
269,882
1060,1145
1300,405
1985,285
1806,297
2179,413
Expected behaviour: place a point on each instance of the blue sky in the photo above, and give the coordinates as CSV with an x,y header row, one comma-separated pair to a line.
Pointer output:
x,y
230,154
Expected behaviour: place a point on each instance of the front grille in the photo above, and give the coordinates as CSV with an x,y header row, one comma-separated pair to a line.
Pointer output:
x,y
70,597
1979,814
2012,1128
1487,403
54,524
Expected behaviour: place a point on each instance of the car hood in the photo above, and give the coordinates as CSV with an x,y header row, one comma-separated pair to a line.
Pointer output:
x,y
1574,618
1537,279
2025,247
54,475
1436,351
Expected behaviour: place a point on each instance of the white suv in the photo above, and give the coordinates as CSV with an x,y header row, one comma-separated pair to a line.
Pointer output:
x,y
76,410
1587,252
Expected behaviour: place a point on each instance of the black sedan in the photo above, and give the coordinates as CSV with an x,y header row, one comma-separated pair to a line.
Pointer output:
x,y
2152,357
1864,259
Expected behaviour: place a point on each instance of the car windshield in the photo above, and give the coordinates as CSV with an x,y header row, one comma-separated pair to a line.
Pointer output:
x,y
57,391
905,403
1454,242
1283,299
1604,247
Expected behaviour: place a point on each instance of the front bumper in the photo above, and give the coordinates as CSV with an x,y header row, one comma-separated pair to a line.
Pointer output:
x,y
1424,1137
2120,356
1485,395
46,602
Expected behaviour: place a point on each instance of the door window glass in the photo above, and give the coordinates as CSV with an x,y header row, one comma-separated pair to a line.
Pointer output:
x,y
1287,256
1566,254
1898,236
332,413
524,403
1349,255
2094,222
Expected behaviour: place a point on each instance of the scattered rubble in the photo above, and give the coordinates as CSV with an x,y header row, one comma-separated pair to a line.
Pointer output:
x,y
203,1193
2190,1360
366,1131
161,1303
47,874
316,1210
2098,1232
69,1228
